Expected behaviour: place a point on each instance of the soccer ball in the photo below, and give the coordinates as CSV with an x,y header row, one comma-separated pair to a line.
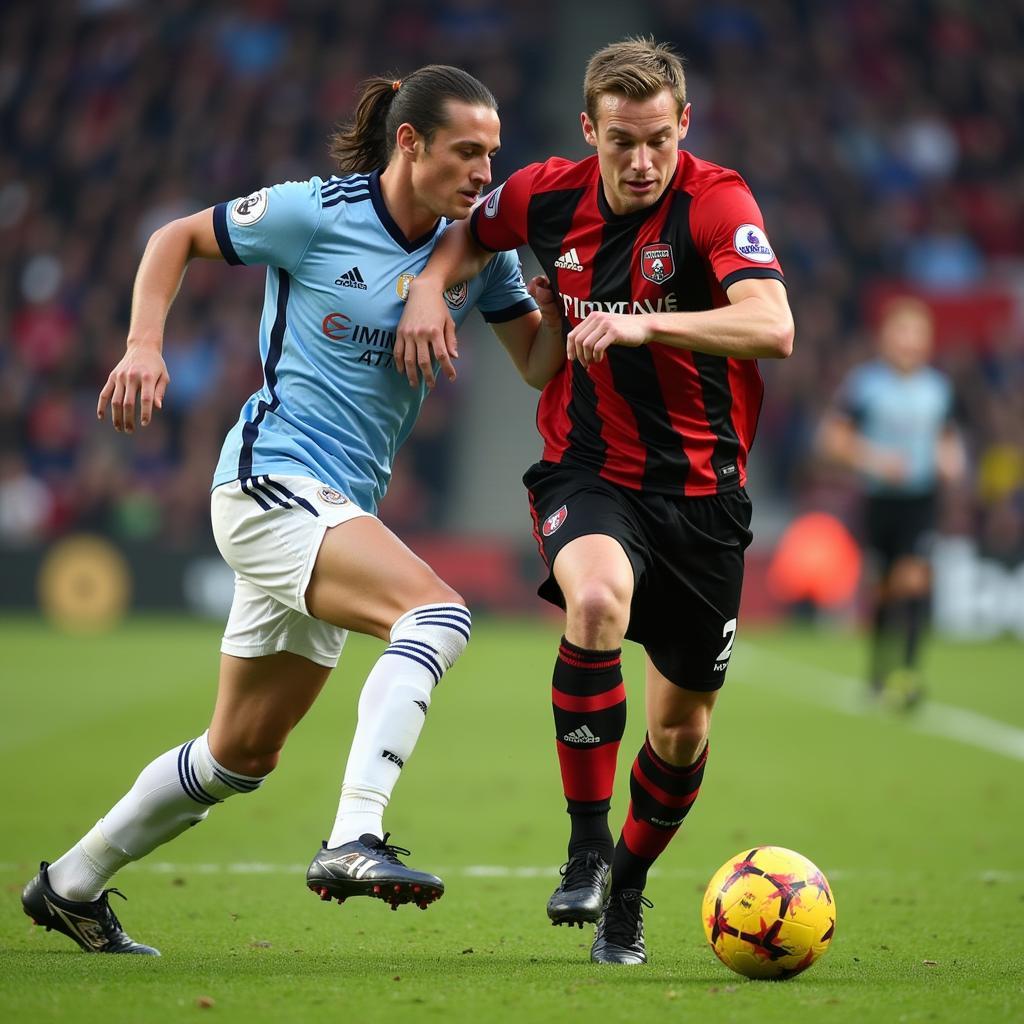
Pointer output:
x,y
768,913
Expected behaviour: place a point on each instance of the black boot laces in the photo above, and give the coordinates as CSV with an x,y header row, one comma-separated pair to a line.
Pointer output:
x,y
391,852
578,872
623,920
109,917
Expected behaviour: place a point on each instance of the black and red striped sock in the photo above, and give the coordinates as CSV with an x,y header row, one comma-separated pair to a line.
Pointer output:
x,y
661,795
589,703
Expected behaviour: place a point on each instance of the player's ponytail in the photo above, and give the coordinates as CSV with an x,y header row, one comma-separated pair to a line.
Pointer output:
x,y
419,99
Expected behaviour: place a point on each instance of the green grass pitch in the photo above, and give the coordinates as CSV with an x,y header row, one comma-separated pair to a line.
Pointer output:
x,y
919,824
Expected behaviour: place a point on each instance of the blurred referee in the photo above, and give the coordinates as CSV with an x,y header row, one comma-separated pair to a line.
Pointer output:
x,y
893,425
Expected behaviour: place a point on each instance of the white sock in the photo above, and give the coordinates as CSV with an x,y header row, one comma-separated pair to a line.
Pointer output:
x,y
425,643
171,793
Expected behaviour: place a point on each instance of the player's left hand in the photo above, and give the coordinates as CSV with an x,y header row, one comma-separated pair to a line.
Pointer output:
x,y
589,341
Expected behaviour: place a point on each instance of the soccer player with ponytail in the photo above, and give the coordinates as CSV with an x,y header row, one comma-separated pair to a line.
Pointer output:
x,y
300,477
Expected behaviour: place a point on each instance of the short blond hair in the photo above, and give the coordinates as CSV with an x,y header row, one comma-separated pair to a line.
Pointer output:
x,y
636,68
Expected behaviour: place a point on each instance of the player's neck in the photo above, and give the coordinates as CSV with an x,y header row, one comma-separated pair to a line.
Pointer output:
x,y
412,218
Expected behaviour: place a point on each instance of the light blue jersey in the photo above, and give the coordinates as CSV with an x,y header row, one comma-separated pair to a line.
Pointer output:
x,y
332,406
902,414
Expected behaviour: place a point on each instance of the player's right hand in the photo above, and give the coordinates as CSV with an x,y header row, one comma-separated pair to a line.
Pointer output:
x,y
141,376
426,332
544,295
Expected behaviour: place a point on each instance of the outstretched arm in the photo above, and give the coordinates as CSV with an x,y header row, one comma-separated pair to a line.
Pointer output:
x,y
142,374
755,324
426,331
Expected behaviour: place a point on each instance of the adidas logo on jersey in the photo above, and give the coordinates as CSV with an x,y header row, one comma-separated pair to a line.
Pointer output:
x,y
569,261
352,279
581,735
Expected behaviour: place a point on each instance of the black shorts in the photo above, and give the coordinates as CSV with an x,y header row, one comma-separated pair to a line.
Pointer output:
x,y
895,527
687,557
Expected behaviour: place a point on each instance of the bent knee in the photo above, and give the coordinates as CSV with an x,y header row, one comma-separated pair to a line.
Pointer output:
x,y
598,610
680,742
249,756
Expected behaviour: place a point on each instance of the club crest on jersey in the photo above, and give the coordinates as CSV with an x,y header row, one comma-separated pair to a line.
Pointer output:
x,y
402,285
554,521
249,210
657,263
751,243
331,496
456,295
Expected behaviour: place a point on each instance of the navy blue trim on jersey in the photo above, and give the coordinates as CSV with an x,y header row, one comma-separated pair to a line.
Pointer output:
x,y
220,229
751,273
472,229
251,430
389,222
301,502
362,197
502,316
351,184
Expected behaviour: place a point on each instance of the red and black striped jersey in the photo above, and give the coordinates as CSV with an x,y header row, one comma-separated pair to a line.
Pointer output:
x,y
654,418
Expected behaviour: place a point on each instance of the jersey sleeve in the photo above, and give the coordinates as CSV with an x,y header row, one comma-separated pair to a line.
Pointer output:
x,y
850,400
273,226
499,221
504,296
728,229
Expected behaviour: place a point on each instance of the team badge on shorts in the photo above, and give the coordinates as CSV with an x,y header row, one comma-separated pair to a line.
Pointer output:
x,y
554,521
657,263
456,295
331,496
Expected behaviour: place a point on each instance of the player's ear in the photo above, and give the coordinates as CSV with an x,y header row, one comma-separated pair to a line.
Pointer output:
x,y
589,129
407,140
684,121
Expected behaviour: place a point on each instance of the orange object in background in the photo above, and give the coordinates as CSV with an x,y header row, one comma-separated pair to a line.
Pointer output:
x,y
816,560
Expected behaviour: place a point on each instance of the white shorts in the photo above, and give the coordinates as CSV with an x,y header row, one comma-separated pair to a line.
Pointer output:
x,y
269,530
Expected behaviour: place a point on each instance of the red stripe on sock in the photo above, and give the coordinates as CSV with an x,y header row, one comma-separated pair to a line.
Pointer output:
x,y
588,774
570,658
663,796
593,702
644,840
675,769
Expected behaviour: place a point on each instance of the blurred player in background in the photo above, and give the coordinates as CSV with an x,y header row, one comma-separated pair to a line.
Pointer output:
x,y
893,425
669,291
299,480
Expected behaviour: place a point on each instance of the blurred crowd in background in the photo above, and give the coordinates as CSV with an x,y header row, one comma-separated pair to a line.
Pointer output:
x,y
882,139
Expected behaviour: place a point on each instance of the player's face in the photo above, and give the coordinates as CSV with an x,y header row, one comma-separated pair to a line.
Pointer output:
x,y
906,340
449,175
637,143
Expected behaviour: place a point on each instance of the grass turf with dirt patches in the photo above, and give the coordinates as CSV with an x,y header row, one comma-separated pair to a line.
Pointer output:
x,y
917,822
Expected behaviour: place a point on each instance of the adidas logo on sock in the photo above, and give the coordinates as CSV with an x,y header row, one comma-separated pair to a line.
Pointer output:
x,y
422,705
352,279
581,735
569,261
